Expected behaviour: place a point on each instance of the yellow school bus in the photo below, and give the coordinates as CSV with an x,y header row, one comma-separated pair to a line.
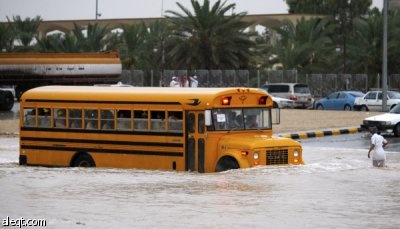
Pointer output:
x,y
160,128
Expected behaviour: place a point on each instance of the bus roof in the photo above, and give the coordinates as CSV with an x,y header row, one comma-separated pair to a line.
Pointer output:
x,y
132,94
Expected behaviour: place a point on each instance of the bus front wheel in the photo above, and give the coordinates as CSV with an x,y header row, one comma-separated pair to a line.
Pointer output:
x,y
226,163
83,160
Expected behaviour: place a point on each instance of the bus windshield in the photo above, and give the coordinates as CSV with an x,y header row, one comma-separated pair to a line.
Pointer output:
x,y
241,119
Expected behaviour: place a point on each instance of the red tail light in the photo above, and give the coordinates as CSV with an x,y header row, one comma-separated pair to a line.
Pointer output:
x,y
293,97
226,100
262,100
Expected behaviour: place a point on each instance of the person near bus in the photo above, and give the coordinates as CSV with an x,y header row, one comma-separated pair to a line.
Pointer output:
x,y
377,144
175,82
185,81
193,81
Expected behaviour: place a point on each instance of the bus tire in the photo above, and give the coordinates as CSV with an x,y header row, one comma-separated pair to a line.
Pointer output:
x,y
83,160
6,100
396,130
226,163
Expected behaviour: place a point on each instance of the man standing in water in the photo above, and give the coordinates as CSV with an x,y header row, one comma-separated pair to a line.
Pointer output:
x,y
377,144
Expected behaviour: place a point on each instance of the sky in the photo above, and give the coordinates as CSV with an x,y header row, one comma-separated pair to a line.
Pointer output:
x,y
86,9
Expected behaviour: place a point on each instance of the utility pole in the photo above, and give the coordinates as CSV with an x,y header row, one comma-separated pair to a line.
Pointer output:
x,y
97,10
384,58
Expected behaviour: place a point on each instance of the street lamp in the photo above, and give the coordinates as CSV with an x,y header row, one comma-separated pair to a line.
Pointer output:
x,y
384,64
97,10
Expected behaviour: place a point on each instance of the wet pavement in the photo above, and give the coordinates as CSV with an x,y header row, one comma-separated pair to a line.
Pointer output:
x,y
9,115
336,188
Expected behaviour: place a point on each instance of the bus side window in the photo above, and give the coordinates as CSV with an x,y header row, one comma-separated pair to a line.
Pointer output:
x,y
29,117
75,118
91,119
201,124
44,117
157,120
59,118
175,121
140,120
107,119
191,122
124,120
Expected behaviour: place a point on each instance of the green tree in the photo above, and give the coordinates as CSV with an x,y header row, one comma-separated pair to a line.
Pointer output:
x,y
156,35
343,13
309,6
58,42
50,43
208,38
6,37
132,37
306,45
93,38
393,42
25,31
264,53
365,45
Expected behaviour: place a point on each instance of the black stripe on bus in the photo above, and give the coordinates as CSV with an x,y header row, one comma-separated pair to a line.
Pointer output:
x,y
66,140
96,150
123,132
100,102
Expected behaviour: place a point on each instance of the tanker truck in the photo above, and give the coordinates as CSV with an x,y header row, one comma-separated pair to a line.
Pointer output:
x,y
22,71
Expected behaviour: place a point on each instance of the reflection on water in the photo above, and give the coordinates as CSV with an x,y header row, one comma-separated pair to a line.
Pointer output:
x,y
336,188
9,115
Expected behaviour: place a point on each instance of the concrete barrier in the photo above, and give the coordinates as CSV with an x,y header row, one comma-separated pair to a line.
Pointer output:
x,y
322,133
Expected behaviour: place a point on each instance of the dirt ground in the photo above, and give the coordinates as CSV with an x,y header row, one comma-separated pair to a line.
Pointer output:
x,y
295,120
292,120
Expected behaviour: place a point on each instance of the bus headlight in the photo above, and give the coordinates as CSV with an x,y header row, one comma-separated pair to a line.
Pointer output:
x,y
295,153
255,155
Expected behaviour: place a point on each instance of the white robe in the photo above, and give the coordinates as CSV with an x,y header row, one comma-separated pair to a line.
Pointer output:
x,y
379,152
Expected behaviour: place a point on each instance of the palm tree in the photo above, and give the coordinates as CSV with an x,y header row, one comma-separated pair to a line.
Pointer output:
x,y
95,38
25,30
305,46
50,43
207,38
365,45
58,42
6,37
154,46
132,37
394,42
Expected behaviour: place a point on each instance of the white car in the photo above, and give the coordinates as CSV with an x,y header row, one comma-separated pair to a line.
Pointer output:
x,y
388,122
297,92
282,102
372,101
279,102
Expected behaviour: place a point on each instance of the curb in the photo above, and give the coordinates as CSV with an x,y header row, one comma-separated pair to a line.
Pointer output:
x,y
322,133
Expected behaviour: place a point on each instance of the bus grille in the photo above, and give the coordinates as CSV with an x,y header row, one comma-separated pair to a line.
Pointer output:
x,y
277,157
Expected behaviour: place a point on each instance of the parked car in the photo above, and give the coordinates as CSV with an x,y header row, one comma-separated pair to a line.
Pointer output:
x,y
297,92
340,100
372,101
388,122
282,102
279,102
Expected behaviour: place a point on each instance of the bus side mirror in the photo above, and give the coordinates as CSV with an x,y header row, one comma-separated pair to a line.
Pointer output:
x,y
207,115
276,116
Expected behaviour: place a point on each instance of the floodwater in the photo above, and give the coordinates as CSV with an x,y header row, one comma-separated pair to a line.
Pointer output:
x,y
336,188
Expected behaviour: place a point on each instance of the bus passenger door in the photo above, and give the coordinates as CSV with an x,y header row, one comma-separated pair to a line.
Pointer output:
x,y
195,141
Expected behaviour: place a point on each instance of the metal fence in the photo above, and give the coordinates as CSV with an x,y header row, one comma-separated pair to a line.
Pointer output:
x,y
319,84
